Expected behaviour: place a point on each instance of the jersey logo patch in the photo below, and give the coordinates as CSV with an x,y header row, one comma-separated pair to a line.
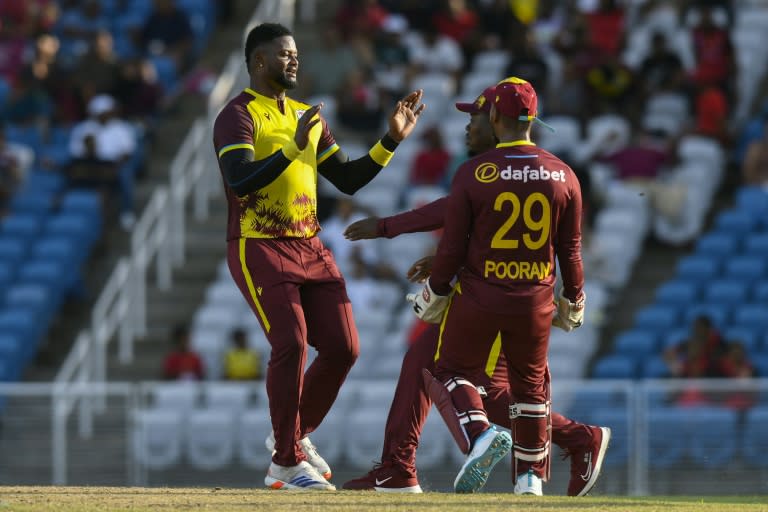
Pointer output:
x,y
299,113
487,172
266,114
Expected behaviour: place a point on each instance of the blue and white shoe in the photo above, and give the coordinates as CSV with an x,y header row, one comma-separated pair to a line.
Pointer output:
x,y
310,451
302,477
528,483
492,446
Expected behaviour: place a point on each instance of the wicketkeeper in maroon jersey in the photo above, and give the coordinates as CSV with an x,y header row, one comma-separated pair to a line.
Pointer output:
x,y
510,212
397,471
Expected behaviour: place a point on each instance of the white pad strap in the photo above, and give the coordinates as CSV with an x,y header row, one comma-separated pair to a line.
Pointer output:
x,y
531,454
521,410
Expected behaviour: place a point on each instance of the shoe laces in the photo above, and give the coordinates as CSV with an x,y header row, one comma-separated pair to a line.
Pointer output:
x,y
309,447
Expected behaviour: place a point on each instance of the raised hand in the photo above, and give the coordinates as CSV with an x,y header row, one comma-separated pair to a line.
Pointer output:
x,y
420,270
364,229
406,114
306,122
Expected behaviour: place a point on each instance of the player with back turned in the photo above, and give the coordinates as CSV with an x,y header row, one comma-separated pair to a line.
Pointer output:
x,y
270,149
511,211
585,444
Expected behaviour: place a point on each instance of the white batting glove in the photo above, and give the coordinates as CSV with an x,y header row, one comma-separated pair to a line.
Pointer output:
x,y
568,315
428,305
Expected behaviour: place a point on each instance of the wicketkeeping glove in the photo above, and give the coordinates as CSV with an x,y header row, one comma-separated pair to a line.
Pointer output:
x,y
568,315
428,305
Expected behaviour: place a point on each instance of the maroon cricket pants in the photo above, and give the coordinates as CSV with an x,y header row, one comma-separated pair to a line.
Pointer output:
x,y
298,294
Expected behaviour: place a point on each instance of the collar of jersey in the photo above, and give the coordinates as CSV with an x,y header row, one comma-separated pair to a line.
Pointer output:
x,y
256,94
515,143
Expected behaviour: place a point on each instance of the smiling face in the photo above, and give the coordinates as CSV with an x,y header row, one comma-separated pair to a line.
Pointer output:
x,y
278,62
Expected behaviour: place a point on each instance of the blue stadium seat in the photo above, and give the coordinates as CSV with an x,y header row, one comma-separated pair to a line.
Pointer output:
x,y
82,229
22,323
12,250
748,268
748,337
726,290
677,293
760,363
698,268
753,315
7,274
735,222
760,291
658,318
11,352
667,436
21,225
42,271
636,343
28,135
615,367
717,244
753,200
754,442
716,444
756,244
87,202
617,420
43,182
5,90
717,312
28,203
654,368
37,298
674,337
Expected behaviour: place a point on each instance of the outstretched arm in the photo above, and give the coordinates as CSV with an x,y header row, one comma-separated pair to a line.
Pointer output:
x,y
425,218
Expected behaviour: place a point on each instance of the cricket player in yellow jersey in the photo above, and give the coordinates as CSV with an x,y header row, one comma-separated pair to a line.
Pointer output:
x,y
270,149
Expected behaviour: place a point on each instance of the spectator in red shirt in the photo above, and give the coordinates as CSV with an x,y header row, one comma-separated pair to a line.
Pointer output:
x,y
713,52
431,162
456,21
360,17
606,28
182,363
712,114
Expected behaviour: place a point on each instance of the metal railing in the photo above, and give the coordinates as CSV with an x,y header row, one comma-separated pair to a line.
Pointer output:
x,y
157,245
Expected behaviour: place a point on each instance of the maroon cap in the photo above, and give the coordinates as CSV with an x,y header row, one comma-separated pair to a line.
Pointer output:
x,y
481,104
515,98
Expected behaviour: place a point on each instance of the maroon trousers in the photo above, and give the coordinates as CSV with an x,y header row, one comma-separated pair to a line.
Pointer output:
x,y
411,405
295,289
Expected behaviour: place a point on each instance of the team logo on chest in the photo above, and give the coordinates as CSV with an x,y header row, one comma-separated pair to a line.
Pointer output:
x,y
487,172
300,112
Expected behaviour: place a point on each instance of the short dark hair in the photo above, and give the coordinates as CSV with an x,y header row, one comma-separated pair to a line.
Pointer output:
x,y
264,33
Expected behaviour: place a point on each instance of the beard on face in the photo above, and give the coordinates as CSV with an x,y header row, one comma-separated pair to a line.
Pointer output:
x,y
285,82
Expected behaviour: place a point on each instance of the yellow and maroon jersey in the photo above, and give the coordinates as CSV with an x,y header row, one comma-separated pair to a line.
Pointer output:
x,y
287,207
510,213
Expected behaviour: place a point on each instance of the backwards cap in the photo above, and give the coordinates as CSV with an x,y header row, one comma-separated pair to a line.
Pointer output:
x,y
516,98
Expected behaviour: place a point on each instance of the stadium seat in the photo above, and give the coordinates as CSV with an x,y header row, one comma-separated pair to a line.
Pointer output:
x,y
87,202
25,226
717,244
753,200
756,244
175,396
226,293
33,204
12,250
617,419
82,229
726,290
698,268
227,396
715,446
22,323
677,293
754,315
158,437
760,291
364,435
717,312
327,439
654,368
760,363
674,337
615,367
667,437
754,442
215,316
748,268
12,353
7,274
636,343
735,222
658,318
210,436
253,428
748,337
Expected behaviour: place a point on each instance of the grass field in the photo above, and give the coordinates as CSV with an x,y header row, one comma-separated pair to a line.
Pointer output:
x,y
116,499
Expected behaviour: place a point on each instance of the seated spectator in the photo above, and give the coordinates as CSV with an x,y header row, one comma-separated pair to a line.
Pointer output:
x,y
610,85
641,160
90,171
735,364
137,89
605,26
79,24
359,17
526,60
115,141
325,65
432,52
713,53
711,112
241,362
358,104
662,68
182,363
392,56
457,21
97,69
346,211
754,170
48,74
167,31
28,103
430,163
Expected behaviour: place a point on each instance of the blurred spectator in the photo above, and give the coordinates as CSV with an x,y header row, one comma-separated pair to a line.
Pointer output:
x,y
697,356
49,75
641,160
346,212
662,68
363,290
713,52
754,171
392,57
90,171
115,141
97,70
432,52
182,363
726,6
525,60
28,103
25,18
431,162
360,17
734,362
605,26
241,362
10,173
456,20
610,85
711,111
138,91
498,20
79,23
325,65
358,104
167,31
